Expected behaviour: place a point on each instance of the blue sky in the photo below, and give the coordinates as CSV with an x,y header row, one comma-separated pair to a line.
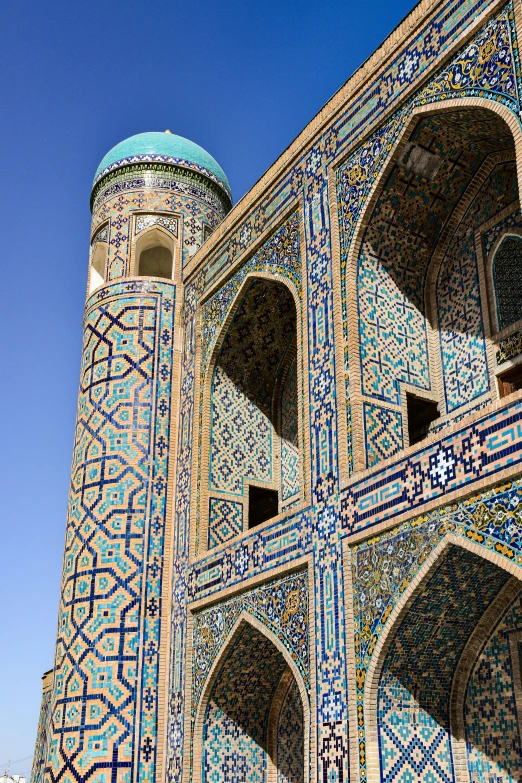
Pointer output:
x,y
241,79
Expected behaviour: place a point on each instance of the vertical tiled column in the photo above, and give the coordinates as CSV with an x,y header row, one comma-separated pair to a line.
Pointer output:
x,y
104,711
332,712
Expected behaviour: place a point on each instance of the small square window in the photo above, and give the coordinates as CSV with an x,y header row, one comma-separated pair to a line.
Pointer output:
x,y
263,504
421,413
510,381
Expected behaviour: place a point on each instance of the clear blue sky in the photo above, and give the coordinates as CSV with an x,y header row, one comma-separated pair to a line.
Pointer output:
x,y
240,78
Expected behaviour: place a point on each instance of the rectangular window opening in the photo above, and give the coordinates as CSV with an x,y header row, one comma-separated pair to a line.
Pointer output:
x,y
510,381
421,413
263,504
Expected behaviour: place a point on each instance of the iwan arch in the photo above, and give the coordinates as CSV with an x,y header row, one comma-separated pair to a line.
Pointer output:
x,y
294,537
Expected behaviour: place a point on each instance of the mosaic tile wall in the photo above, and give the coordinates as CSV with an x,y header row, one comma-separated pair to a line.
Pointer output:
x,y
236,725
290,760
281,605
493,725
384,353
235,735
290,462
486,66
507,276
382,570
461,319
153,190
398,245
246,440
111,601
413,709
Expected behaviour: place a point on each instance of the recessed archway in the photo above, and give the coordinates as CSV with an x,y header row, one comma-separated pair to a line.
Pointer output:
x,y
420,355
254,461
431,657
253,720
154,254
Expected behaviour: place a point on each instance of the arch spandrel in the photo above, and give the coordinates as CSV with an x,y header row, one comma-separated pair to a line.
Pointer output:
x,y
388,574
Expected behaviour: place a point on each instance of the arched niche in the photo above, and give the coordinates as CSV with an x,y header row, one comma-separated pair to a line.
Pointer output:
x,y
154,254
506,279
253,721
419,353
436,667
252,465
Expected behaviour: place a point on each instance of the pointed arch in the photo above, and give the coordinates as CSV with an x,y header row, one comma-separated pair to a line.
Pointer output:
x,y
289,369
371,412
451,544
287,672
468,660
155,253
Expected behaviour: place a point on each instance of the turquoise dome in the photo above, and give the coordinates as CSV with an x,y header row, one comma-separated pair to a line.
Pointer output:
x,y
162,146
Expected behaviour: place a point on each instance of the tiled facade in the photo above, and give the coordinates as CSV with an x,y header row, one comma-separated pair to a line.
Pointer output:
x,y
369,627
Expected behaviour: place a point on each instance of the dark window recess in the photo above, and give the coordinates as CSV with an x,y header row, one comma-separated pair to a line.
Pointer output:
x,y
510,381
420,415
263,504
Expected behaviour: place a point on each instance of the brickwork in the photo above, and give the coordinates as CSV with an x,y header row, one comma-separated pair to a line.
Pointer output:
x,y
377,258
492,722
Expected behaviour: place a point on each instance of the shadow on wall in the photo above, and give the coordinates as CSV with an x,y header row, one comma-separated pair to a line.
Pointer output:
x,y
415,725
254,721
254,448
398,274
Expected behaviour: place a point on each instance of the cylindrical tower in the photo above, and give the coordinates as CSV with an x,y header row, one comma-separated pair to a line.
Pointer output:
x,y
155,199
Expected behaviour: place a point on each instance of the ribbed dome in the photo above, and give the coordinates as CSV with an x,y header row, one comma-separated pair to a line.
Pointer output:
x,y
165,147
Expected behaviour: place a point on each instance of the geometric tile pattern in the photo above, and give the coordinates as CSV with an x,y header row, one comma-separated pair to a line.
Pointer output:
x,y
281,605
507,275
415,684
241,442
115,539
167,222
493,729
465,74
384,567
290,738
398,246
235,741
383,433
490,235
289,436
279,255
490,444
187,168
271,335
462,344
244,410
225,520
486,63
393,338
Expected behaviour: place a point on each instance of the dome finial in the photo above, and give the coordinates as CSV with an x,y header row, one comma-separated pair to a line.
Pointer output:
x,y
167,131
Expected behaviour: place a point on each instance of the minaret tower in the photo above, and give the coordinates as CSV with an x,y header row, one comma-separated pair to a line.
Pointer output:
x,y
155,199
